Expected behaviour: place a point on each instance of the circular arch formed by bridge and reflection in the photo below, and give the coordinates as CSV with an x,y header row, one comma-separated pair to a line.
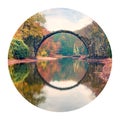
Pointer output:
x,y
62,31
51,34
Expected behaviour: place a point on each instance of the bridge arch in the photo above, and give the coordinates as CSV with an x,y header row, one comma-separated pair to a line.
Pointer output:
x,y
62,31
61,88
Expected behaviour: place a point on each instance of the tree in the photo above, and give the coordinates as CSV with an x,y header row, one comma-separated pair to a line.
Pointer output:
x,y
49,47
18,50
96,40
31,27
31,32
76,50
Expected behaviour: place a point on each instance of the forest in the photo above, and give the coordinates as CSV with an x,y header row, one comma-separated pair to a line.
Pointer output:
x,y
28,36
63,44
97,40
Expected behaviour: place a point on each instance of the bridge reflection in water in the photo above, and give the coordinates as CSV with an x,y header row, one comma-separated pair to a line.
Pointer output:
x,y
59,85
65,69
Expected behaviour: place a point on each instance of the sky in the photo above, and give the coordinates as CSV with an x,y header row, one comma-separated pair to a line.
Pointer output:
x,y
65,19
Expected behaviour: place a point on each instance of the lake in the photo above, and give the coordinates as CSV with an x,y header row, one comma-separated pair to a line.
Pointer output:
x,y
58,85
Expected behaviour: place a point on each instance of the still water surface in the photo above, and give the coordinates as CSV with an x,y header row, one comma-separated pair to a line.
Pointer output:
x,y
58,85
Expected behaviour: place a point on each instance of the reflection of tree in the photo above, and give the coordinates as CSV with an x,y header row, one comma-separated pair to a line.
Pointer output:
x,y
33,77
92,80
76,66
71,69
31,85
29,91
19,72
43,64
62,69
47,69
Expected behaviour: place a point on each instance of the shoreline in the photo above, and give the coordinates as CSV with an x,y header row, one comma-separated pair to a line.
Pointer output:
x,y
104,74
29,60
17,61
46,58
101,60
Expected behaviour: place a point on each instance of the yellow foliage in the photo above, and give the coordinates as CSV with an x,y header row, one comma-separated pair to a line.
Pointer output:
x,y
31,27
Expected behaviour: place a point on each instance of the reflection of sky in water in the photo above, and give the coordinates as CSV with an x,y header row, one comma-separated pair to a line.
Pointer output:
x,y
57,100
63,83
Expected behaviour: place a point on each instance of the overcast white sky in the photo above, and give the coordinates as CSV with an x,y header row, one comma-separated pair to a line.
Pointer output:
x,y
67,19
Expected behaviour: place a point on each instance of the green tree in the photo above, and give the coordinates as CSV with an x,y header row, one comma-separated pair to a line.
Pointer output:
x,y
18,50
69,44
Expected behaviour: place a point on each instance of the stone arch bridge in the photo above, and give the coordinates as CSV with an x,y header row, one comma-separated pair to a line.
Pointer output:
x,y
84,40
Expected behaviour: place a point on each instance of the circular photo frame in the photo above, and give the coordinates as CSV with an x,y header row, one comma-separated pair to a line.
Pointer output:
x,y
59,59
